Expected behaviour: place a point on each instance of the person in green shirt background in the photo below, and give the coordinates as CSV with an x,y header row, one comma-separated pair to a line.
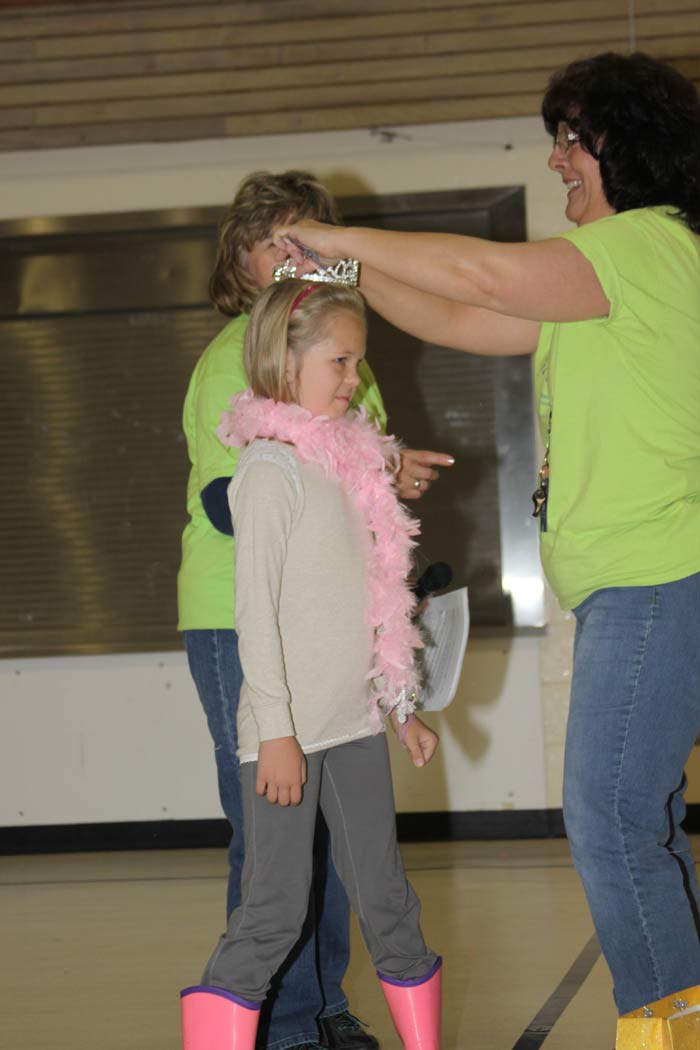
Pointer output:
x,y
306,1003
611,311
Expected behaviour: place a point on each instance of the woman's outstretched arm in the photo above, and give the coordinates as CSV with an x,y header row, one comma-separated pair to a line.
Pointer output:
x,y
540,281
445,322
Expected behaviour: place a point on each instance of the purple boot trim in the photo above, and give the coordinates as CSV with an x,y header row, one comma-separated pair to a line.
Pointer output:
x,y
210,990
412,982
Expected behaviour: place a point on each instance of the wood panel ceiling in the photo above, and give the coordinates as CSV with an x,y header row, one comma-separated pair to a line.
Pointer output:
x,y
129,71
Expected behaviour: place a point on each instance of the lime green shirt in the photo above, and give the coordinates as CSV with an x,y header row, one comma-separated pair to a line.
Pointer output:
x,y
624,397
205,583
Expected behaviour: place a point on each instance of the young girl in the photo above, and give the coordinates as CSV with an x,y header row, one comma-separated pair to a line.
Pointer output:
x,y
326,644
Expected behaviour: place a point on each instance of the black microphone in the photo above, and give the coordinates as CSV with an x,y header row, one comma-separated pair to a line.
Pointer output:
x,y
435,578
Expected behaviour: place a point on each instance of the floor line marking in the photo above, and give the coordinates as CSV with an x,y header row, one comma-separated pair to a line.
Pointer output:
x,y
543,1022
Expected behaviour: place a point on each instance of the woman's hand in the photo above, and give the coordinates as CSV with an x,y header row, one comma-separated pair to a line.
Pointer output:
x,y
323,239
420,742
281,771
416,473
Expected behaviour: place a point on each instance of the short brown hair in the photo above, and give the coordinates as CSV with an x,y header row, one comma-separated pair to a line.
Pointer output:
x,y
274,329
263,201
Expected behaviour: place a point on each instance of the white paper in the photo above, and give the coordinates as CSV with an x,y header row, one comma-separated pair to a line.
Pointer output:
x,y
445,628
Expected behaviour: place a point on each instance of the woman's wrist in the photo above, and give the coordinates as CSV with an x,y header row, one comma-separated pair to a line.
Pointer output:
x,y
341,243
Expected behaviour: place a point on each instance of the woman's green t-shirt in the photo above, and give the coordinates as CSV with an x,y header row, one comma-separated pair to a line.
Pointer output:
x,y
624,397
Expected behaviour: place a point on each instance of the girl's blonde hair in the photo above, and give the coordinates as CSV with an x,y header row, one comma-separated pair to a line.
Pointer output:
x,y
263,202
278,327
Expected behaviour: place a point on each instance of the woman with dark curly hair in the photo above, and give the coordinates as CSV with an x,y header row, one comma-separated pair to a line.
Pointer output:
x,y
611,311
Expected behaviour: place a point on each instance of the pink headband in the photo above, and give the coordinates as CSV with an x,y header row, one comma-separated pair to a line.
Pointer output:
x,y
301,296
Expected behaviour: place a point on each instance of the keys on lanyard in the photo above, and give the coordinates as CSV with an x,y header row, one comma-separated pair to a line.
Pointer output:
x,y
541,493
539,497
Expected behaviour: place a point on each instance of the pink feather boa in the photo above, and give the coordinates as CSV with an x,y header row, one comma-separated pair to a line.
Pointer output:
x,y
352,451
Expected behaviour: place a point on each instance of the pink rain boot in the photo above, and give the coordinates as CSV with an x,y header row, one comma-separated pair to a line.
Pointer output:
x,y
213,1019
415,1008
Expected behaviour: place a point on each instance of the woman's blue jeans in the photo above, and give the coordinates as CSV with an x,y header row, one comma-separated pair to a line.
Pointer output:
x,y
309,983
634,718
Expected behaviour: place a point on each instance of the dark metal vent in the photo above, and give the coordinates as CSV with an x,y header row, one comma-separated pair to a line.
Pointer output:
x,y
101,322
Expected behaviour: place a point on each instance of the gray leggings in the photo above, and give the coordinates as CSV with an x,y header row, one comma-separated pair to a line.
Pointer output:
x,y
352,785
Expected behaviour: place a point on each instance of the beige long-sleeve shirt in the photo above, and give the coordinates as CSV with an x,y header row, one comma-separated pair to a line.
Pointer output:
x,y
301,594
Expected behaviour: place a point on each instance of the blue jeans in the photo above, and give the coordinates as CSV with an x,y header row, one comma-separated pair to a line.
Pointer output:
x,y
634,717
309,983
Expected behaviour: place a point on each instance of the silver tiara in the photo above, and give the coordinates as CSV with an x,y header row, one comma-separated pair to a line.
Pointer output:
x,y
345,271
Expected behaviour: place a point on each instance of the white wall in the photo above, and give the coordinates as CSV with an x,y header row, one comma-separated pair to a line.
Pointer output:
x,y
109,738
424,157
122,737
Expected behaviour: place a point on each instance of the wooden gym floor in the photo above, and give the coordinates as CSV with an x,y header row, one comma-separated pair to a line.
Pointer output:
x,y
96,946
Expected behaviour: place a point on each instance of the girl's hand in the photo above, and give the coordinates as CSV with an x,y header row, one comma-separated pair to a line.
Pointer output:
x,y
325,240
281,771
420,742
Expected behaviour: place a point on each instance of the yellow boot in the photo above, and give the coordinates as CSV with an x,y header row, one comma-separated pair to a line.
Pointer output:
x,y
672,1023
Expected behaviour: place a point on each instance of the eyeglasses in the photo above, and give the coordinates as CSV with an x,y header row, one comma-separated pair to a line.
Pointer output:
x,y
565,139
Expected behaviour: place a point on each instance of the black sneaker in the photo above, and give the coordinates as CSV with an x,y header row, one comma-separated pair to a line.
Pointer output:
x,y
345,1032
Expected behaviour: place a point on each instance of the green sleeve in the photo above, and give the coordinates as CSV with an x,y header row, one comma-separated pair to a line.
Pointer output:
x,y
612,246
214,460
369,396
220,375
